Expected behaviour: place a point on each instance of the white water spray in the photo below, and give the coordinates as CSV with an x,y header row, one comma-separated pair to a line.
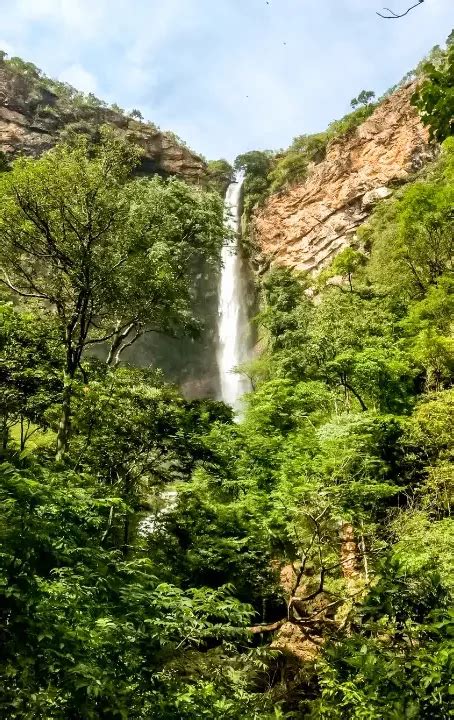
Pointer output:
x,y
233,327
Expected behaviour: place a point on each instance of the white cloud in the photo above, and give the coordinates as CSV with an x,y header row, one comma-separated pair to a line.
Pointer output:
x,y
84,17
80,78
227,75
35,9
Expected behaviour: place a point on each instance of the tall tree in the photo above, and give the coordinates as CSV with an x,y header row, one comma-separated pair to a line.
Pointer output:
x,y
107,253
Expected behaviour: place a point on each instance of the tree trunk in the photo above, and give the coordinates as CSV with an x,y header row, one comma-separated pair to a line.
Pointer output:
x,y
22,434
65,417
5,433
356,394
126,534
349,551
113,358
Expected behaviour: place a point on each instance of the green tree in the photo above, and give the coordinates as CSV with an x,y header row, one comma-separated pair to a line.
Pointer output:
x,y
60,215
84,632
27,69
435,97
136,114
154,442
346,264
365,97
411,236
107,253
220,174
293,164
255,162
402,662
255,165
30,371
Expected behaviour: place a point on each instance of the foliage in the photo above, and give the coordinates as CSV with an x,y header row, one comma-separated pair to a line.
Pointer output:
x,y
293,165
86,633
349,123
364,98
401,663
256,166
416,228
346,264
378,339
434,98
30,372
220,175
78,205
136,114
144,574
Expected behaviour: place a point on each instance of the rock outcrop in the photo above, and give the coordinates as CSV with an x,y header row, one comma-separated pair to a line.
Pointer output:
x,y
33,118
305,226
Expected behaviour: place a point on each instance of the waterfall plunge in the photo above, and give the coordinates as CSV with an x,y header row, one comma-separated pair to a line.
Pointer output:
x,y
233,325
234,346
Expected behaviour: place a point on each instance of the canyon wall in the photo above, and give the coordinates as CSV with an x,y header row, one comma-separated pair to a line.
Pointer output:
x,y
33,118
305,226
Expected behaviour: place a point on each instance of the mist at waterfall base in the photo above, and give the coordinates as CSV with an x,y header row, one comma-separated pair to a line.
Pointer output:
x,y
234,343
234,346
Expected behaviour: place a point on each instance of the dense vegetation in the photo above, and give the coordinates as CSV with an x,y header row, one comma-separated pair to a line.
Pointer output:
x,y
435,99
220,175
322,519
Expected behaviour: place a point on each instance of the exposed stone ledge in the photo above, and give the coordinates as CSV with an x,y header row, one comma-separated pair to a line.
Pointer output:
x,y
28,127
307,225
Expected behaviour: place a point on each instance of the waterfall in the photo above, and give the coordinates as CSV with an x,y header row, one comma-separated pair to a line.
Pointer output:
x,y
233,324
148,523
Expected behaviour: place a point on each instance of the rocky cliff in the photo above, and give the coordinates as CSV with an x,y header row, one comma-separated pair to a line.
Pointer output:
x,y
33,117
304,226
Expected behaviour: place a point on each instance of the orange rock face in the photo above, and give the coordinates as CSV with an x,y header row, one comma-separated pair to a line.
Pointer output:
x,y
31,122
305,226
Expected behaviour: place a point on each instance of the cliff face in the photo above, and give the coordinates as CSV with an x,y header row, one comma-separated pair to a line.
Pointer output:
x,y
32,119
305,226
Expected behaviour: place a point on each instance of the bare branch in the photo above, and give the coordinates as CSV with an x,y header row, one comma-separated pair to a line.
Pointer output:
x,y
123,329
138,334
311,619
15,289
109,524
395,16
256,629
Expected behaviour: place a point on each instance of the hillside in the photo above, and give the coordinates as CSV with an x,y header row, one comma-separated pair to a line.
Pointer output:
x,y
35,112
305,225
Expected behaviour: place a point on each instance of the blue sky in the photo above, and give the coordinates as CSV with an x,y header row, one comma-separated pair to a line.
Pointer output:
x,y
226,75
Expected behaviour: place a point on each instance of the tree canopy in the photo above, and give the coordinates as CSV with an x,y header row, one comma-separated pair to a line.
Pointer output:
x,y
435,97
172,560
64,214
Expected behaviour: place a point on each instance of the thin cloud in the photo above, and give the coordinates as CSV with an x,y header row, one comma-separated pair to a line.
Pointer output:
x,y
80,78
227,75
